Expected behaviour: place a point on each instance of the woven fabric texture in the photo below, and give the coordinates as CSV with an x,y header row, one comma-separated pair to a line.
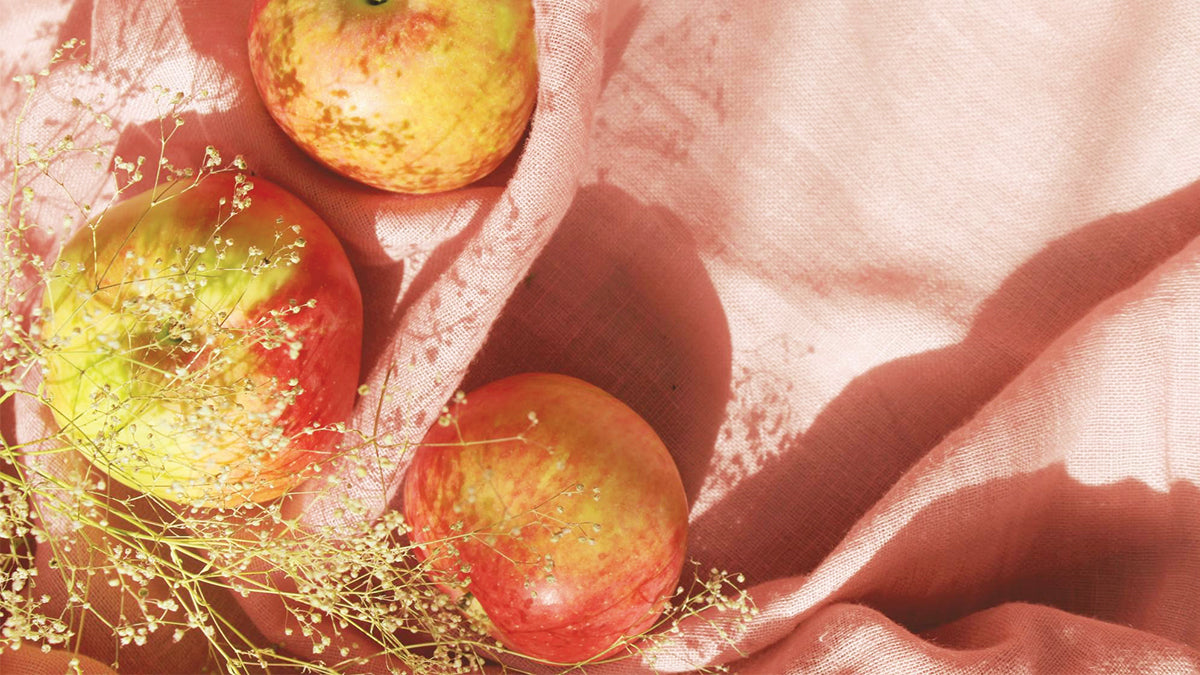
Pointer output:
x,y
911,291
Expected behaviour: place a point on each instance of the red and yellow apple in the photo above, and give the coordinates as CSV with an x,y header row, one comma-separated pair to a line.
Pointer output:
x,y
201,353
405,95
551,511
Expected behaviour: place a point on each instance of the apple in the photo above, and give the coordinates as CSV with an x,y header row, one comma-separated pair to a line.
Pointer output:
x,y
552,512
198,352
405,95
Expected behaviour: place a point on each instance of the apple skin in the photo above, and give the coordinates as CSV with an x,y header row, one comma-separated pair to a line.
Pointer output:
x,y
612,584
201,413
410,96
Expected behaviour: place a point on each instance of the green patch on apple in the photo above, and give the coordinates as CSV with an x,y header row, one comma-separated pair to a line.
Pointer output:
x,y
204,336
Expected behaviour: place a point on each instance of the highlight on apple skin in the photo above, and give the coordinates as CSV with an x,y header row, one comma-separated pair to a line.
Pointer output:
x,y
202,353
552,512
411,96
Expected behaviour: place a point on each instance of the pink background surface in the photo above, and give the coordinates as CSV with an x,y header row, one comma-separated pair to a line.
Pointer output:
x,y
911,290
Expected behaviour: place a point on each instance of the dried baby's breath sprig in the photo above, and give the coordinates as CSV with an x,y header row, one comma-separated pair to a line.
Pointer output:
x,y
82,555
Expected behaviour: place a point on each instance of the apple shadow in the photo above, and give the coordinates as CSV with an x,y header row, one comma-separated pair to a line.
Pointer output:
x,y
619,298
889,417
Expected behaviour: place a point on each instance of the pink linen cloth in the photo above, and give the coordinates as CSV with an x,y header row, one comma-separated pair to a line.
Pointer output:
x,y
911,290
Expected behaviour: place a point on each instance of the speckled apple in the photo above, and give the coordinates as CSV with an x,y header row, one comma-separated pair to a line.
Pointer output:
x,y
411,96
199,357
570,532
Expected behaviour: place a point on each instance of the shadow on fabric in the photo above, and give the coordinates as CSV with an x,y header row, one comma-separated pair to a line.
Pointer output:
x,y
786,518
1110,552
619,298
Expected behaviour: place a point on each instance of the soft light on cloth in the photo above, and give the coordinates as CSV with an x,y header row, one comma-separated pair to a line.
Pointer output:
x,y
911,291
